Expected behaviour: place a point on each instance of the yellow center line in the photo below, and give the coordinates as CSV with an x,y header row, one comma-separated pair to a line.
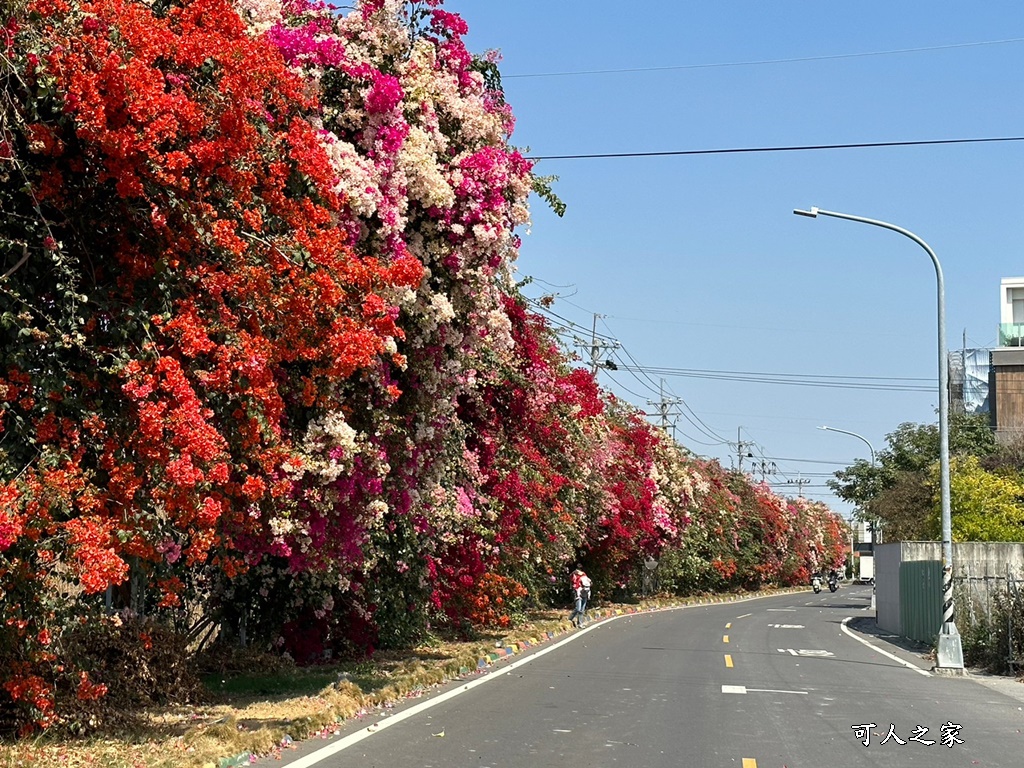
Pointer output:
x,y
725,638
749,762
728,661
728,625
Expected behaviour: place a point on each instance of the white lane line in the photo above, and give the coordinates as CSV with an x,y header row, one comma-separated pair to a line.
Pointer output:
x,y
780,609
354,738
743,689
897,659
744,615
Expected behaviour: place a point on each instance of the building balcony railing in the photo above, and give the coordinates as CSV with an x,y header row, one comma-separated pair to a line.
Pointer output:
x,y
1011,334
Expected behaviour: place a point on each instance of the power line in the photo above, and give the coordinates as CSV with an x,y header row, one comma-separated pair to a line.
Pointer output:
x,y
565,322
809,461
801,375
692,439
689,438
641,398
656,387
791,148
703,425
704,430
797,380
759,62
637,395
622,365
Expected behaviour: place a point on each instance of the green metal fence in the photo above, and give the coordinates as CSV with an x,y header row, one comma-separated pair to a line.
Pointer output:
x,y
921,599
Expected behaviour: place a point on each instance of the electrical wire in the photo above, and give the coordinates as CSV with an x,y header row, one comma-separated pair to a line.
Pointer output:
x,y
800,375
719,440
808,461
707,430
790,148
760,62
637,395
789,379
628,368
716,438
567,322
655,388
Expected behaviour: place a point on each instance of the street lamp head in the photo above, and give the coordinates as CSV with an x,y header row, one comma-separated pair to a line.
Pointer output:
x,y
813,213
822,427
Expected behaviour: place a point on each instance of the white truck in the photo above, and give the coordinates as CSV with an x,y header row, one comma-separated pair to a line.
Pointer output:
x,y
865,553
865,568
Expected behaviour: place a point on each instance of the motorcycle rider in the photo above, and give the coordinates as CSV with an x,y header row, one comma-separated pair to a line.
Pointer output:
x,y
833,580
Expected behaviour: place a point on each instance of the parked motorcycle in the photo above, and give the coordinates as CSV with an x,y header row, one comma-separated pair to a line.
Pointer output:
x,y
833,581
816,583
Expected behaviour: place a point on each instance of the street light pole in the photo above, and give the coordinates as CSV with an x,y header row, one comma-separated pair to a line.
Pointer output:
x,y
860,437
950,650
872,528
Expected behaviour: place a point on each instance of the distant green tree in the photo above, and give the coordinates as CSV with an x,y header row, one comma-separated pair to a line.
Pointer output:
x,y
897,492
985,506
902,509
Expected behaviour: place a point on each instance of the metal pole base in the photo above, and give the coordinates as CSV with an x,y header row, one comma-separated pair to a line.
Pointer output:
x,y
950,653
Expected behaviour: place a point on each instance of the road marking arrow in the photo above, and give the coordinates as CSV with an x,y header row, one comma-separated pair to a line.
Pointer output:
x,y
805,652
743,689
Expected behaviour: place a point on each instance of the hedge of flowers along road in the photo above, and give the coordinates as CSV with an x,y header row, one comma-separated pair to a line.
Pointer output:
x,y
263,365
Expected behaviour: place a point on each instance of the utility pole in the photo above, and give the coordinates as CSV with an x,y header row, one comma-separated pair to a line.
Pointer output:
x,y
766,468
741,448
663,403
596,347
800,482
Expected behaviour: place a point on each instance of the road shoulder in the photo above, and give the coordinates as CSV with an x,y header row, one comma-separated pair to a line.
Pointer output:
x,y
923,656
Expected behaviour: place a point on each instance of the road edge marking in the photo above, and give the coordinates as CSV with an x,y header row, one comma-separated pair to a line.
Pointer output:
x,y
351,739
354,738
875,648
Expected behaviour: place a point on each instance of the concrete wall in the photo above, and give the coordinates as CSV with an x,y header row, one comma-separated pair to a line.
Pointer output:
x,y
988,558
887,581
979,567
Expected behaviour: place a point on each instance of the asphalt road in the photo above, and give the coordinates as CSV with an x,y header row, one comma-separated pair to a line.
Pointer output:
x,y
778,681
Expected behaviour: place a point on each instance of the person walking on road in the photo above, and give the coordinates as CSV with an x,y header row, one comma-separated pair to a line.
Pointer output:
x,y
580,584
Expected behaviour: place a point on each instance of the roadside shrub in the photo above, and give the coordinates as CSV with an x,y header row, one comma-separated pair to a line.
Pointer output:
x,y
132,663
994,640
977,635
495,601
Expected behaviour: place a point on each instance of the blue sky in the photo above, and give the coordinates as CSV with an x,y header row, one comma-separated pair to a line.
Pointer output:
x,y
698,262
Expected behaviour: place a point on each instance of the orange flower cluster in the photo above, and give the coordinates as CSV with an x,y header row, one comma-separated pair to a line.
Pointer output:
x,y
211,288
494,597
